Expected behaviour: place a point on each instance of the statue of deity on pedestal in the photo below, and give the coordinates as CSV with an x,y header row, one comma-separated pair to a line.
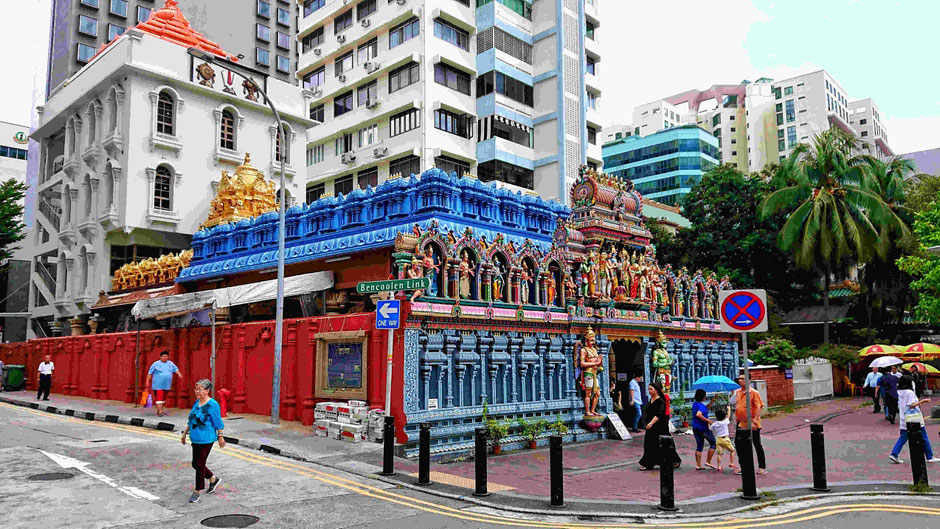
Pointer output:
x,y
465,272
497,282
415,272
590,364
662,364
430,270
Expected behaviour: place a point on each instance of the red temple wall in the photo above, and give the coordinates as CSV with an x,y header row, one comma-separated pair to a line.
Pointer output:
x,y
101,366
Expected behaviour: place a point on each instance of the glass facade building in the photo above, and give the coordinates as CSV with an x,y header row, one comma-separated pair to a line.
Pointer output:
x,y
664,166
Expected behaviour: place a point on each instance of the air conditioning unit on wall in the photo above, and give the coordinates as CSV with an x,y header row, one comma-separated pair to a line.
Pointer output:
x,y
341,38
316,51
342,78
348,157
380,152
365,23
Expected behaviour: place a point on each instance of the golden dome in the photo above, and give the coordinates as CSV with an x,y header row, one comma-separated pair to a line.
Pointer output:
x,y
244,195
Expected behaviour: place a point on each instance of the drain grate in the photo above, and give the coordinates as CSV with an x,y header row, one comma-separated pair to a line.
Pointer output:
x,y
98,441
231,520
51,476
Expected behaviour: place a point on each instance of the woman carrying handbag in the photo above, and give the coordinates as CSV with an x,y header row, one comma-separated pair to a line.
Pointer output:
x,y
909,412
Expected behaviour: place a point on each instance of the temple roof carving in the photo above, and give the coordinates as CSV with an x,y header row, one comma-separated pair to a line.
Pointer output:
x,y
243,195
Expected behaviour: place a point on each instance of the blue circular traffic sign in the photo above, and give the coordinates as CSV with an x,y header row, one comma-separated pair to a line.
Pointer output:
x,y
743,311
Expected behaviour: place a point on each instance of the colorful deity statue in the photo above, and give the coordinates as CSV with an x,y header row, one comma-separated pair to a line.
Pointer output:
x,y
635,271
613,269
550,289
569,288
592,275
429,263
524,279
465,272
603,269
584,287
497,282
644,287
415,271
625,270
662,362
591,366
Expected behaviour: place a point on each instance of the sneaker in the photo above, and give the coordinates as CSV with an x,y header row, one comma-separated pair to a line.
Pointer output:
x,y
934,460
895,458
194,498
214,484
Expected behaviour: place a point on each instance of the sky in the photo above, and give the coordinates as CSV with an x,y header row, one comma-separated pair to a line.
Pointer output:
x,y
882,49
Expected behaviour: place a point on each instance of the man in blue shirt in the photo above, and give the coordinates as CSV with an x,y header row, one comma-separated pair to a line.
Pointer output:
x,y
160,379
871,381
889,391
636,400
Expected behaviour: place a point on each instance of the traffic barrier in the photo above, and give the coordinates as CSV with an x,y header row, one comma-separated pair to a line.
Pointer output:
x,y
557,479
918,460
745,450
667,484
479,459
817,443
424,454
388,456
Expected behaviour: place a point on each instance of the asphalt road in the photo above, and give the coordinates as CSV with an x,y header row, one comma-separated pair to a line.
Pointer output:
x,y
121,476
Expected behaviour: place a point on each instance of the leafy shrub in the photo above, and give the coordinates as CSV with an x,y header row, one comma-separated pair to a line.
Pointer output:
x,y
775,351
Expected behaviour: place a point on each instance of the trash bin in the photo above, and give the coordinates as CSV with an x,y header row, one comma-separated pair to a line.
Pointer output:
x,y
12,378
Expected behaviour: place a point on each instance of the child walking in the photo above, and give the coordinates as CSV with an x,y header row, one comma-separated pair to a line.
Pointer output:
x,y
720,429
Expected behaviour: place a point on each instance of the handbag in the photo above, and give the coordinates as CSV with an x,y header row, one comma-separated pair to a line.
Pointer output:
x,y
914,415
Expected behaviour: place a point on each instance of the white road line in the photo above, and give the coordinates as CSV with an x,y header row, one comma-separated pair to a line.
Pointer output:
x,y
69,462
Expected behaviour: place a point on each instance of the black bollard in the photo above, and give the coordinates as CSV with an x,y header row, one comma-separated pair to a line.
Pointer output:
x,y
817,443
667,484
424,454
918,460
557,480
479,459
388,438
745,450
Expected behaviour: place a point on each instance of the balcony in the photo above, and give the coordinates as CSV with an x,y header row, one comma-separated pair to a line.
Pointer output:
x,y
91,154
114,143
71,165
68,235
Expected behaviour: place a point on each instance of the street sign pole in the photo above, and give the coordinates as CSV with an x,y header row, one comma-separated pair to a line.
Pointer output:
x,y
388,367
744,311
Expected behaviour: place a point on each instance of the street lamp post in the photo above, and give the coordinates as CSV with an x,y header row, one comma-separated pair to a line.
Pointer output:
x,y
282,210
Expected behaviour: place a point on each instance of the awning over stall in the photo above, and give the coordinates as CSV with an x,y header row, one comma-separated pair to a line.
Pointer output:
x,y
230,296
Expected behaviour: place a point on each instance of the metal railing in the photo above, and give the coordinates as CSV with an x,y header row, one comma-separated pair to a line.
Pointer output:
x,y
46,276
50,212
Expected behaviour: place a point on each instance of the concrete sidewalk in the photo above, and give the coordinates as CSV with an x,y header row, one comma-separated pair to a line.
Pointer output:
x,y
601,477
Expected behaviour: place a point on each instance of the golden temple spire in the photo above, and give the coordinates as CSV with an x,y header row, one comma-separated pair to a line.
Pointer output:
x,y
243,195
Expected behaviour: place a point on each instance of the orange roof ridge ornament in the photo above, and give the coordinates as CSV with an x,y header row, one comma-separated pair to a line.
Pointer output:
x,y
168,23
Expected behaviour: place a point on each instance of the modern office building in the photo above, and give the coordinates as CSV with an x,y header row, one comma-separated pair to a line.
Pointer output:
x,y
760,122
505,90
14,273
132,149
262,31
665,165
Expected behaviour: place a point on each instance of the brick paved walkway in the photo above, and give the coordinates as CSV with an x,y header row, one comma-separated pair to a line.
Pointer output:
x,y
857,443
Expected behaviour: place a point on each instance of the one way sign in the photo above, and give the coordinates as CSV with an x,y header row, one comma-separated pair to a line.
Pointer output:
x,y
388,314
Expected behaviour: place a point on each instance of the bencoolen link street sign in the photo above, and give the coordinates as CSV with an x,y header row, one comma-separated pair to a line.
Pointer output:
x,y
393,285
743,310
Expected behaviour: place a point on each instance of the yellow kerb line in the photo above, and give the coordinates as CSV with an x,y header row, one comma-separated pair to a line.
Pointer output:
x,y
430,507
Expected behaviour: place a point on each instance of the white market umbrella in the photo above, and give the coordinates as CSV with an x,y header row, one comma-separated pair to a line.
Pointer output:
x,y
886,361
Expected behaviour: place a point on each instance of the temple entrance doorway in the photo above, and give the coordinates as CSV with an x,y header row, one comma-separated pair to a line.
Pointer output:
x,y
626,362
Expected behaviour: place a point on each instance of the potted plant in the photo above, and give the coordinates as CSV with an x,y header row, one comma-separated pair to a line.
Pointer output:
x,y
682,410
558,427
496,430
531,430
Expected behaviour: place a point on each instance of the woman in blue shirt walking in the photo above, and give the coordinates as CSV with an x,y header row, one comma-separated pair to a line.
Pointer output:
x,y
204,428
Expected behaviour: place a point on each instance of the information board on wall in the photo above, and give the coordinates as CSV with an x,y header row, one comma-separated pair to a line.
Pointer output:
x,y
344,365
617,429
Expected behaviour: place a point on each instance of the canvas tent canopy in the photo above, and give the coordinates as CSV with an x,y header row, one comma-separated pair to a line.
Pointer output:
x,y
226,297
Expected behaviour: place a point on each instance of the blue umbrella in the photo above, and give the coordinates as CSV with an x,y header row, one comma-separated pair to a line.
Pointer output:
x,y
715,383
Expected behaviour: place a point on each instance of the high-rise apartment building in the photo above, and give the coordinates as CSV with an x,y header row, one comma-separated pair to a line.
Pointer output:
x,y
761,122
505,90
262,31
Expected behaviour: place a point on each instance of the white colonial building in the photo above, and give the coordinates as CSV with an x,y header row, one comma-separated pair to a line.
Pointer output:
x,y
131,148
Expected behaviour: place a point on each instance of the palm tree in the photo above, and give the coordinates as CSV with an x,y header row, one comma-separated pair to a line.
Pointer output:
x,y
832,217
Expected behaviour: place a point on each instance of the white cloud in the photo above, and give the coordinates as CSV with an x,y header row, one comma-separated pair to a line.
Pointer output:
x,y
650,51
25,35
913,134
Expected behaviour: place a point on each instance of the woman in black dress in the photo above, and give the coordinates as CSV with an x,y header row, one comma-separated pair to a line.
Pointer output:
x,y
656,424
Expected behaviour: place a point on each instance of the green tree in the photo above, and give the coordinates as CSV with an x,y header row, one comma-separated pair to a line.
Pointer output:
x,y
922,190
11,217
925,268
832,218
728,237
